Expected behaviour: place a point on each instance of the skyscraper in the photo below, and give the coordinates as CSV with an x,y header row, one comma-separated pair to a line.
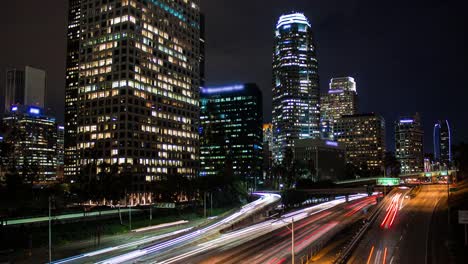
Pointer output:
x,y
71,88
443,142
25,87
33,136
296,113
409,144
135,101
340,100
231,131
364,138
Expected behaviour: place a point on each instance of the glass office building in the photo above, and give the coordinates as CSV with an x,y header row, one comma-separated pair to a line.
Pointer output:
x,y
231,132
296,113
409,144
132,96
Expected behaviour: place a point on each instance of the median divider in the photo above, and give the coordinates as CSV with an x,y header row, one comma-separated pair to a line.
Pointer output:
x,y
346,253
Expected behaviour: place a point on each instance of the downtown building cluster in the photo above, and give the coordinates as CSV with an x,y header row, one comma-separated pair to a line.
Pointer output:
x,y
32,140
135,100
305,121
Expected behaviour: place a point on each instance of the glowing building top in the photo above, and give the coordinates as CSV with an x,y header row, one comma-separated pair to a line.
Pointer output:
x,y
294,18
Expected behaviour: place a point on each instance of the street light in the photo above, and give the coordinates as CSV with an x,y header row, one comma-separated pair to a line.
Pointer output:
x,y
292,237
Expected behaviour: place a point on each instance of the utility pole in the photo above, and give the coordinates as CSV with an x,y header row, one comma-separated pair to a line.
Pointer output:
x,y
448,200
292,241
316,166
130,216
50,230
211,198
151,212
204,204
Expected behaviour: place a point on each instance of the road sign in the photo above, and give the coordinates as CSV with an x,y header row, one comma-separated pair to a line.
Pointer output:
x,y
388,181
462,217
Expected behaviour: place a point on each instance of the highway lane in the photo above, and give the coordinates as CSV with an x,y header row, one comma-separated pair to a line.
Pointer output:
x,y
400,232
270,240
156,244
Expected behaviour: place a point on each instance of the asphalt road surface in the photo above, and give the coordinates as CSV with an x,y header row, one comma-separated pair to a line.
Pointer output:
x,y
400,233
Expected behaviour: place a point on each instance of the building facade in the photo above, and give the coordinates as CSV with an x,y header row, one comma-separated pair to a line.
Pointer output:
x,y
325,160
135,100
71,89
364,138
340,100
231,132
33,137
409,144
25,87
443,143
296,113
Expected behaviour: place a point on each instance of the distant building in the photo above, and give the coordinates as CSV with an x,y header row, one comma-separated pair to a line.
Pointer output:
x,y
231,131
443,143
364,138
33,136
340,100
267,150
296,96
323,159
60,144
24,87
409,144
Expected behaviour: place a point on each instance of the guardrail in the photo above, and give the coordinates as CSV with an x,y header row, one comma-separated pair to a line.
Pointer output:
x,y
343,257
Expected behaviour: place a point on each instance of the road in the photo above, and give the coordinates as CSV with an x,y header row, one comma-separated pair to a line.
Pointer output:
x,y
129,251
400,233
269,241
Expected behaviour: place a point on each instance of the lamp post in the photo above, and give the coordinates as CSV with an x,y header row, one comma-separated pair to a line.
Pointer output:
x,y
292,238
50,229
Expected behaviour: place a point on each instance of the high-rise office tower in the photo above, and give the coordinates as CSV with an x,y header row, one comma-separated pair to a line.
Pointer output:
x,y
202,50
340,100
364,139
25,87
409,144
71,88
138,85
443,142
33,137
296,96
231,131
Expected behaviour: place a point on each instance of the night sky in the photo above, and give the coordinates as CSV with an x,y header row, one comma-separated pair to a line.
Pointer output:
x,y
405,57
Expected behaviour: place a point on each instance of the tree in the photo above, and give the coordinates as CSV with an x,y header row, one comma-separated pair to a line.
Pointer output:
x,y
460,152
391,165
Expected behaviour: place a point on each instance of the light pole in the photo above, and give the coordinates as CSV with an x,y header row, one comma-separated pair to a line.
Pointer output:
x,y
448,200
292,238
50,230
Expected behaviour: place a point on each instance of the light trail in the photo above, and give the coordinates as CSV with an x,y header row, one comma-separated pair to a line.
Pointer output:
x,y
385,256
370,255
265,199
392,209
252,232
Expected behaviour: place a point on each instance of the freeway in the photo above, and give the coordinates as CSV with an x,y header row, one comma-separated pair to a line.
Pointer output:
x,y
269,241
129,251
400,232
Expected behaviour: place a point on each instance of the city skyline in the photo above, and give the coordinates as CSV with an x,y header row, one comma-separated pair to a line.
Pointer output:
x,y
200,131
335,58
